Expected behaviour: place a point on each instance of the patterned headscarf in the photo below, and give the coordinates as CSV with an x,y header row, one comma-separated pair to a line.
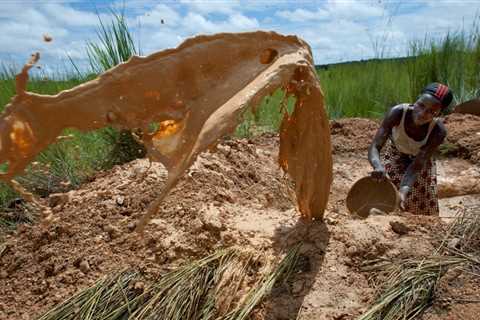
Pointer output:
x,y
440,92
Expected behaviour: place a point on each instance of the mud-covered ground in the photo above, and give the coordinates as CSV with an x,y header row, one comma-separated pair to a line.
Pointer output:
x,y
237,196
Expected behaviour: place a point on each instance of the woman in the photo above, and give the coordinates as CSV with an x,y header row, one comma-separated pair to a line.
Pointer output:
x,y
412,133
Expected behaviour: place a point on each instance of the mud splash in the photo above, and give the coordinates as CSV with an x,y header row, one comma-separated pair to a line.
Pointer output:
x,y
183,100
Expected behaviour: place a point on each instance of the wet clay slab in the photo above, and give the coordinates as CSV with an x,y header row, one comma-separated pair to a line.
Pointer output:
x,y
183,100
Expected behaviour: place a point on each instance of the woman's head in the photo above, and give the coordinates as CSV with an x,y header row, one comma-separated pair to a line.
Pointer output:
x,y
434,98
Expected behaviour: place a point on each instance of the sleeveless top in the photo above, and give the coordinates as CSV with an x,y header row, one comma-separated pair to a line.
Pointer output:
x,y
402,141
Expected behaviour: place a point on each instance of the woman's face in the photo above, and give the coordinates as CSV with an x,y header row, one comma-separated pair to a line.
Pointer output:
x,y
425,109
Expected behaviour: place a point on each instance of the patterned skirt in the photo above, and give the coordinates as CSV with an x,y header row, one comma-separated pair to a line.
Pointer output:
x,y
422,198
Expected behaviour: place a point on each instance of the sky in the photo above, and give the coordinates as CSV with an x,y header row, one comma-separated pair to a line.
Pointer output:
x,y
336,30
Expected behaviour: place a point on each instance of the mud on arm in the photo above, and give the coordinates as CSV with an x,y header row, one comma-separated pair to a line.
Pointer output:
x,y
391,119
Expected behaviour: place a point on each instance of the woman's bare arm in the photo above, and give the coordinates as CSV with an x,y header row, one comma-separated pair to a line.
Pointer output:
x,y
392,118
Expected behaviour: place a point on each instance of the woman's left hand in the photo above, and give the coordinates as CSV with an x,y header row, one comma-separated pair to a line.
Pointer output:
x,y
403,196
402,201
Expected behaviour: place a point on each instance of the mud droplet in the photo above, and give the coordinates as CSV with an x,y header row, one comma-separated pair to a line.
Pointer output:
x,y
47,38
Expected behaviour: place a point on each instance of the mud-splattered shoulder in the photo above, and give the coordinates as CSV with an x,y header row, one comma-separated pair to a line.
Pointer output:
x,y
394,115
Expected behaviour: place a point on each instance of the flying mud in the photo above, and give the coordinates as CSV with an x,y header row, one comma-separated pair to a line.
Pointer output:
x,y
182,101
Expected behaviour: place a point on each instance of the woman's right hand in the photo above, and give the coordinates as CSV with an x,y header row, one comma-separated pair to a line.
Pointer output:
x,y
379,173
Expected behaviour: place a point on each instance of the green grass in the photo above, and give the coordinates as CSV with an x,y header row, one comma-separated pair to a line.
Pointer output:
x,y
115,44
453,60
364,89
368,89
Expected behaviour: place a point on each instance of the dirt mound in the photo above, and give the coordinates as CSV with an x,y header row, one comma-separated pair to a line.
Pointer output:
x,y
92,234
356,134
352,134
457,177
463,139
